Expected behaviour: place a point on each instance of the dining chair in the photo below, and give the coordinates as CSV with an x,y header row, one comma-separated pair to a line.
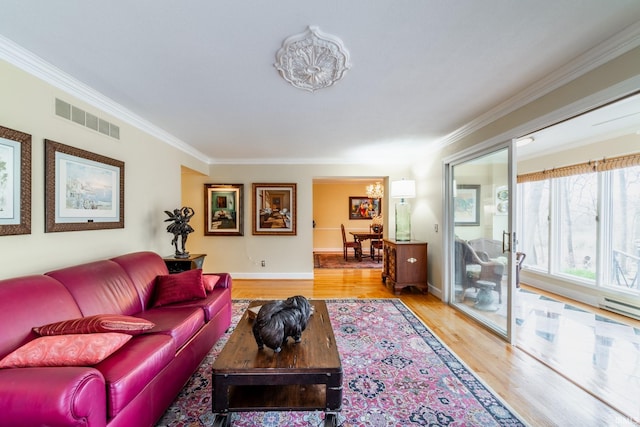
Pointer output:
x,y
376,243
348,244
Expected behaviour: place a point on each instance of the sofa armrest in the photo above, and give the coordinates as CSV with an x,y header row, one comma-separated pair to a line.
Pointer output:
x,y
52,396
225,280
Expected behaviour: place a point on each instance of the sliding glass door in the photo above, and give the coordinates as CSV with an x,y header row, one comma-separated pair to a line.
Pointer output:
x,y
480,241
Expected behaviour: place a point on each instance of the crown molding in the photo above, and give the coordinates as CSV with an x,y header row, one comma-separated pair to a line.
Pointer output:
x,y
621,43
36,66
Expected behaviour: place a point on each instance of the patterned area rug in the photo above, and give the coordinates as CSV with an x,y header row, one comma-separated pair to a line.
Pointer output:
x,y
396,373
328,260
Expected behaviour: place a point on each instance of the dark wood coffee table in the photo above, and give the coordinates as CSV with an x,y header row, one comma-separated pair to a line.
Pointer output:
x,y
306,376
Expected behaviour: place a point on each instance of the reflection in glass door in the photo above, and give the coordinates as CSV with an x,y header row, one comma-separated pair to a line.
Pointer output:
x,y
480,238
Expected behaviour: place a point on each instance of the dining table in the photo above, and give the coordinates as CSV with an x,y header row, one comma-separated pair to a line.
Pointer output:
x,y
361,236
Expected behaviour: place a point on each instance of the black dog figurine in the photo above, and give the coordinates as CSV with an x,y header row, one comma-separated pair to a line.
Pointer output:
x,y
278,320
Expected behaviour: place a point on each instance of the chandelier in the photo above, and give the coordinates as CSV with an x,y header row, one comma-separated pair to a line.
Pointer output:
x,y
375,191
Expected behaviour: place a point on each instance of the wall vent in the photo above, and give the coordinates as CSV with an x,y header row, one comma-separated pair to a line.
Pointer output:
x,y
81,117
620,307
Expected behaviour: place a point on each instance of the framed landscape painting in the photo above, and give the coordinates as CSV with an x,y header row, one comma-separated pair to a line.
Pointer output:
x,y
84,190
274,209
223,209
15,182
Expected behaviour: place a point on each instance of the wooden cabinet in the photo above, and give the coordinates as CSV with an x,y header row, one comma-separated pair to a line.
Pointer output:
x,y
178,265
405,264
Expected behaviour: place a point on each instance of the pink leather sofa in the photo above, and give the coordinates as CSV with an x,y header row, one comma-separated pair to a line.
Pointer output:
x,y
131,387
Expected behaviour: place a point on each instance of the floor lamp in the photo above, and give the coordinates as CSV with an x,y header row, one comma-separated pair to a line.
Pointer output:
x,y
404,189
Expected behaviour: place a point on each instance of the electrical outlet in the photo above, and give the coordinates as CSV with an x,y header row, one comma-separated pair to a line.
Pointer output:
x,y
263,263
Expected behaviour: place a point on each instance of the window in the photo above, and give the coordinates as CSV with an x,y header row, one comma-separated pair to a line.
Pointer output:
x,y
585,223
535,240
625,228
577,209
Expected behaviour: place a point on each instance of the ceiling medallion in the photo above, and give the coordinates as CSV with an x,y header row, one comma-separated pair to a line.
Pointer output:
x,y
312,60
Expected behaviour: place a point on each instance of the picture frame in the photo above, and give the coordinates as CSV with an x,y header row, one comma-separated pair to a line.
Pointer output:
x,y
274,209
15,182
502,200
363,207
84,190
466,206
224,209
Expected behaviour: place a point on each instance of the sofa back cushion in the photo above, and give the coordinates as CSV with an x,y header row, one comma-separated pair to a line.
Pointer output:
x,y
143,268
29,301
101,287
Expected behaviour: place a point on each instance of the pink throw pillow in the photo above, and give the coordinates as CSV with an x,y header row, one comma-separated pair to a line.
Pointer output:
x,y
65,350
179,287
98,323
210,281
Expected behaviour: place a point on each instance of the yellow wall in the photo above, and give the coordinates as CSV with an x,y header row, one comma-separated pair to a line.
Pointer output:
x,y
152,180
331,208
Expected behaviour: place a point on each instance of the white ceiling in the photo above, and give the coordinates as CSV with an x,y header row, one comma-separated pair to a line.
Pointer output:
x,y
203,71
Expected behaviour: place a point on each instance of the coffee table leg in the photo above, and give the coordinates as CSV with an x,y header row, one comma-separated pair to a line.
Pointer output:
x,y
222,420
330,420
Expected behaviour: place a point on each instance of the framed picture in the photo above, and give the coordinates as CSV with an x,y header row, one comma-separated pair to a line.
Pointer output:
x,y
223,209
363,207
274,209
84,191
502,200
15,182
466,210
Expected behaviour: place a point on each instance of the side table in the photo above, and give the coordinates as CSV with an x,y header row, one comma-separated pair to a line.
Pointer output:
x,y
178,265
484,299
405,264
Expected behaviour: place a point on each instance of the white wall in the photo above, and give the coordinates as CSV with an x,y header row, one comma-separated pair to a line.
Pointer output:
x,y
287,257
152,180
154,183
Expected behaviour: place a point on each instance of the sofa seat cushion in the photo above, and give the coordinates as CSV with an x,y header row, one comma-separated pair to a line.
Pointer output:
x,y
212,304
179,322
127,372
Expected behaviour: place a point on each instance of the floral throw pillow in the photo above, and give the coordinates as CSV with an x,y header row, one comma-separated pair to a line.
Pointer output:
x,y
65,350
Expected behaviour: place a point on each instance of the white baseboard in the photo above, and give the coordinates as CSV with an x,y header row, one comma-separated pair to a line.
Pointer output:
x,y
273,276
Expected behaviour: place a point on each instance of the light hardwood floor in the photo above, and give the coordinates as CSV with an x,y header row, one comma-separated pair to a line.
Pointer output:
x,y
538,394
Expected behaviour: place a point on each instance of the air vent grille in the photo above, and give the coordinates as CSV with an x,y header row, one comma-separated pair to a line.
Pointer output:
x,y
81,117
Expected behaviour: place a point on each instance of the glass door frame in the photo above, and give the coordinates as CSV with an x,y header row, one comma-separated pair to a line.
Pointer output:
x,y
509,240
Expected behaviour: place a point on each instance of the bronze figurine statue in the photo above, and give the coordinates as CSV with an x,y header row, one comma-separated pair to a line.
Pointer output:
x,y
180,228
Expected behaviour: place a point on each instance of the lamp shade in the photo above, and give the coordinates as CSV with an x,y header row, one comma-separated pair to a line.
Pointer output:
x,y
404,189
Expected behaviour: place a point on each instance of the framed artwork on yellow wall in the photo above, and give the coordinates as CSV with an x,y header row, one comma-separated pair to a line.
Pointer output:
x,y
363,207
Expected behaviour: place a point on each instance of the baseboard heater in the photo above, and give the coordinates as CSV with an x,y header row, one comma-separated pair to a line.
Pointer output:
x,y
620,307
